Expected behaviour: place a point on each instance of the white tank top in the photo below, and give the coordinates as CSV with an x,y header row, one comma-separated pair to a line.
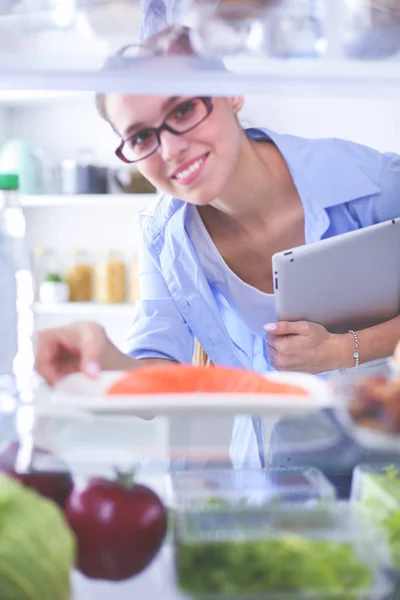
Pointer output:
x,y
253,307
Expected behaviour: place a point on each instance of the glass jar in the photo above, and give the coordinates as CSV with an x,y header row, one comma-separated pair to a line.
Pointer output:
x,y
372,29
110,278
79,276
297,29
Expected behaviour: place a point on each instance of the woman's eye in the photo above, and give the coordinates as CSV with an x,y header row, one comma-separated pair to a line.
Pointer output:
x,y
140,138
183,110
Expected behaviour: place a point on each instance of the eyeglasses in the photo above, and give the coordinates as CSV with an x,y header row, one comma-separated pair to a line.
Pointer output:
x,y
184,117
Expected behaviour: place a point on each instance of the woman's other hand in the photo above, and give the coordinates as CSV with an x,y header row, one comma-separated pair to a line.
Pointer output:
x,y
73,348
307,347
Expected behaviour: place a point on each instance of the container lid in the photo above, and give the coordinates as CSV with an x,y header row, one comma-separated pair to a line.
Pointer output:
x,y
213,488
377,481
9,181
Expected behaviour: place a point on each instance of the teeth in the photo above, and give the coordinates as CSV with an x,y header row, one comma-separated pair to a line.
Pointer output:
x,y
190,170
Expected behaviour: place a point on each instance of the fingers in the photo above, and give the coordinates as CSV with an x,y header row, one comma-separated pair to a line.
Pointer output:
x,y
283,362
54,355
277,361
64,350
288,328
92,337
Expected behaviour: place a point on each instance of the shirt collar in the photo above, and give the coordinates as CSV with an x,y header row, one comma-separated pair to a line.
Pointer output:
x,y
323,171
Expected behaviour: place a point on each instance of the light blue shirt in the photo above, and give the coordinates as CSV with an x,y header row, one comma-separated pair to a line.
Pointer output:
x,y
253,307
343,186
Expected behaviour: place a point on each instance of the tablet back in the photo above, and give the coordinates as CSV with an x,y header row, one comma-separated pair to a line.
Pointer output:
x,y
350,281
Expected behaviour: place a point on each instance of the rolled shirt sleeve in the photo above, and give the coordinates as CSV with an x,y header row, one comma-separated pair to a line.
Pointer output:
x,y
158,330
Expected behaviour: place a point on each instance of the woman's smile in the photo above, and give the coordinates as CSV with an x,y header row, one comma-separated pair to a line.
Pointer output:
x,y
188,172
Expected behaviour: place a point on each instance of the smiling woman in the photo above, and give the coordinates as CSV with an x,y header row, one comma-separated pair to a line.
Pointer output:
x,y
230,199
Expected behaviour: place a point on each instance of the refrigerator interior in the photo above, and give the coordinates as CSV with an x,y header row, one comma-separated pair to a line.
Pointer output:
x,y
52,57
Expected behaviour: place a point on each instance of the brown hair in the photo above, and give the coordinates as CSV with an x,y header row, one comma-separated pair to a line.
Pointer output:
x,y
200,356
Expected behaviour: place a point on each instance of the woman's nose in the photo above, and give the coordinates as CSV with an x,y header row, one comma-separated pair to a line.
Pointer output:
x,y
172,146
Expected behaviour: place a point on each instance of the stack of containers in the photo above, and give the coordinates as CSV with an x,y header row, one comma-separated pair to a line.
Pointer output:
x,y
278,534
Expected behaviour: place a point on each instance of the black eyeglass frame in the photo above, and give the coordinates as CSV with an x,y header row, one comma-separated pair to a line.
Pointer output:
x,y
207,101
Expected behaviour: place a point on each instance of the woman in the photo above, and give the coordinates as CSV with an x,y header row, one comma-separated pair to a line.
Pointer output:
x,y
232,198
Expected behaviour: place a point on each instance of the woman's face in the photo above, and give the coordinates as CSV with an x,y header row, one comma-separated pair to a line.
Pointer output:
x,y
196,166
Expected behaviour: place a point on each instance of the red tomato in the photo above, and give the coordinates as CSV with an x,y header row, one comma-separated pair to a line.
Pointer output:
x,y
119,527
55,483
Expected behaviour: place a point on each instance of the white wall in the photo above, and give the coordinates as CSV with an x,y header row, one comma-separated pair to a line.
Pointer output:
x,y
61,129
371,121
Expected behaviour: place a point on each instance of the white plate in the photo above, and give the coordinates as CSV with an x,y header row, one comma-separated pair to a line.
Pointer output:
x,y
78,393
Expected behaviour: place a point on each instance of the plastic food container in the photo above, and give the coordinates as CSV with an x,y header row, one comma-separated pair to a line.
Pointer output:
x,y
368,408
217,489
376,490
371,29
294,552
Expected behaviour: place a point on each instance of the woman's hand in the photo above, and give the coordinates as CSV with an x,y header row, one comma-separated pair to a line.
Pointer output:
x,y
307,347
80,347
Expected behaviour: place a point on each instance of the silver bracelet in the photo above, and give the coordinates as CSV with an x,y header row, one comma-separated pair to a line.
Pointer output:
x,y
356,354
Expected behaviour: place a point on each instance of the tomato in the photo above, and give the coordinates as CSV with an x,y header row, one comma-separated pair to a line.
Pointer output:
x,y
119,527
55,482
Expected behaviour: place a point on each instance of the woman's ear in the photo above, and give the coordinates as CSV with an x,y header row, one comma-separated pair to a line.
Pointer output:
x,y
236,103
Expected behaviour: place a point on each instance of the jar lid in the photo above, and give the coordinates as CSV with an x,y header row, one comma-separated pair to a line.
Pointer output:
x,y
43,251
9,181
109,253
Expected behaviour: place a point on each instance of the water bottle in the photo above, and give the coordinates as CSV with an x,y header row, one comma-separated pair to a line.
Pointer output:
x,y
16,319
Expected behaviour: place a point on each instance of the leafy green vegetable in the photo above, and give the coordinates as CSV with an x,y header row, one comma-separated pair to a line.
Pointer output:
x,y
37,549
54,278
381,501
289,564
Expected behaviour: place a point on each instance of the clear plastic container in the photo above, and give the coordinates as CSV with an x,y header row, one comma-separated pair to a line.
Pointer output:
x,y
294,553
297,29
376,490
372,29
218,489
368,409
228,28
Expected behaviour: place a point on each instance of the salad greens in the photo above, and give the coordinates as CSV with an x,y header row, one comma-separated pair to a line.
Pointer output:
x,y
289,564
381,501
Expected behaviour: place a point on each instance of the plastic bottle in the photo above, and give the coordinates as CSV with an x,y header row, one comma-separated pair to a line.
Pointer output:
x,y
16,325
16,296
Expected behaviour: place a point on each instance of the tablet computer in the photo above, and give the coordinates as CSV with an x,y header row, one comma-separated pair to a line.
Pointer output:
x,y
349,281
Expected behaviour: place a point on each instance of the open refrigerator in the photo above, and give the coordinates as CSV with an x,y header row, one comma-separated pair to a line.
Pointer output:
x,y
304,502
